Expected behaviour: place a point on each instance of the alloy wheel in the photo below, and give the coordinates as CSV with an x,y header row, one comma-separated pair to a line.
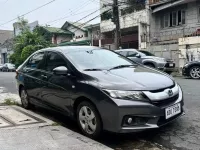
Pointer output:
x,y
195,72
87,120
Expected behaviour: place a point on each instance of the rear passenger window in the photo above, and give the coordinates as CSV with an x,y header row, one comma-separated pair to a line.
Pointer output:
x,y
36,61
54,60
132,54
124,53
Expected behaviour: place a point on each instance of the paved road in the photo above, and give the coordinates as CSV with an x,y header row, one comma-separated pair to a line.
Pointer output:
x,y
183,134
7,81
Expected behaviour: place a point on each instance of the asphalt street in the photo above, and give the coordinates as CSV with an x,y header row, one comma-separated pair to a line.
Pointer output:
x,y
7,82
183,134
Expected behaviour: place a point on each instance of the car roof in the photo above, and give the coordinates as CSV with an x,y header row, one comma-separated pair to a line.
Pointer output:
x,y
67,49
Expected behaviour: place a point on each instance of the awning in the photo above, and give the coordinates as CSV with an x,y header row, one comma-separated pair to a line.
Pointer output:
x,y
77,43
171,4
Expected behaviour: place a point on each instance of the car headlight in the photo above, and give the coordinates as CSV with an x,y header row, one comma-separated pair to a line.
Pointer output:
x,y
127,95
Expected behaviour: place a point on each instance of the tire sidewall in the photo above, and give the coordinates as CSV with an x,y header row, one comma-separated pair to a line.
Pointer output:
x,y
96,134
29,105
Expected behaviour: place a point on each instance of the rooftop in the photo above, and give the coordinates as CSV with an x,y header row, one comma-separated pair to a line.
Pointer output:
x,y
57,30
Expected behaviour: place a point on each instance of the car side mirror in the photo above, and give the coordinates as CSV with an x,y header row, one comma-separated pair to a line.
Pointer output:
x,y
138,55
62,70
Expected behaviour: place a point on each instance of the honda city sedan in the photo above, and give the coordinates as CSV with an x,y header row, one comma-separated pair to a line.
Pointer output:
x,y
99,88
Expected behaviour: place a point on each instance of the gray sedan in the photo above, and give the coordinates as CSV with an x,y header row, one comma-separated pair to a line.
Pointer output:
x,y
148,59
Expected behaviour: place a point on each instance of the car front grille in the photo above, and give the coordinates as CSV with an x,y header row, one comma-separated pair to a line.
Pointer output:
x,y
166,102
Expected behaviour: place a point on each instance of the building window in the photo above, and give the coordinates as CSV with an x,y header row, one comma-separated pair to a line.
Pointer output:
x,y
174,18
166,20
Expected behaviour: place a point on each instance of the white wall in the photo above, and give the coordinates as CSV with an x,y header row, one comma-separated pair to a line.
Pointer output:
x,y
126,21
77,33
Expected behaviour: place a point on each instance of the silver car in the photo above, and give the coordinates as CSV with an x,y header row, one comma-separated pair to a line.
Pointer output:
x,y
148,59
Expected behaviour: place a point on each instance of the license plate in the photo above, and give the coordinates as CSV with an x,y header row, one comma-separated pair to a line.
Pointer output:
x,y
172,110
171,65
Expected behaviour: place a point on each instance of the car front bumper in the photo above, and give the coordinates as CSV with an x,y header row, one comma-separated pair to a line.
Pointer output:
x,y
154,116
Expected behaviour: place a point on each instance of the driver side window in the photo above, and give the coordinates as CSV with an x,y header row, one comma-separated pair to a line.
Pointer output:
x,y
54,60
132,54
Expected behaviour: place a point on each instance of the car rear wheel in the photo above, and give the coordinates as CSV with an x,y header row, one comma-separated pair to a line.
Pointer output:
x,y
195,72
25,99
89,120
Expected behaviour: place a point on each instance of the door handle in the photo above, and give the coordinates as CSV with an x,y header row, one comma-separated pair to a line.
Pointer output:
x,y
43,76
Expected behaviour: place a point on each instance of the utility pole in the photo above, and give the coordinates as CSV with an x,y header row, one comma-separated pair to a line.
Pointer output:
x,y
117,23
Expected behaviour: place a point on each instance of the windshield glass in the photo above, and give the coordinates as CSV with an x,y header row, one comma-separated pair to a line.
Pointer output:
x,y
147,53
97,59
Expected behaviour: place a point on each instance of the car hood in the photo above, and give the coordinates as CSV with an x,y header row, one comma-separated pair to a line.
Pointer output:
x,y
132,78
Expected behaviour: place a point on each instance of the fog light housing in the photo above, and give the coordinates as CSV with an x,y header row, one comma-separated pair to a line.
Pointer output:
x,y
134,121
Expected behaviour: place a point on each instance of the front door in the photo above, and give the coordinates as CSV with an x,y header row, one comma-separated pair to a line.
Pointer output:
x,y
33,80
133,55
57,94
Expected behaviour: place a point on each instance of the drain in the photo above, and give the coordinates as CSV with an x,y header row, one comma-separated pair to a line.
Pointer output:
x,y
12,116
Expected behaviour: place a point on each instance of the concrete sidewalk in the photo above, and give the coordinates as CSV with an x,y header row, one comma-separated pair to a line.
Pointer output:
x,y
24,130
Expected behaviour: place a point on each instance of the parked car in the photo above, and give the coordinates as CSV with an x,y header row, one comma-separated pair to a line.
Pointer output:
x,y
101,89
192,69
8,67
149,59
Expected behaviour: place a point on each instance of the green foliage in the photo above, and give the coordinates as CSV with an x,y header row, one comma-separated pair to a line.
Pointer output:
x,y
28,42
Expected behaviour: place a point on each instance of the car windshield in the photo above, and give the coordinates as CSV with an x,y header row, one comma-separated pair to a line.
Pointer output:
x,y
147,53
97,59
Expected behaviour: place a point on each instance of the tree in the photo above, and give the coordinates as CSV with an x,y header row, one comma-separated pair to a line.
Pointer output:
x,y
27,43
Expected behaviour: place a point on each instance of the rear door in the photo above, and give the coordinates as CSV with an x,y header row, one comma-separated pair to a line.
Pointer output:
x,y
57,94
33,80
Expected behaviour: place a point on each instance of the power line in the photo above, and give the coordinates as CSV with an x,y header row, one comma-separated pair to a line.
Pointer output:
x,y
28,12
56,20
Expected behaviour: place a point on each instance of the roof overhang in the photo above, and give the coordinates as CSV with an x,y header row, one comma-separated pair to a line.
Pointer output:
x,y
171,4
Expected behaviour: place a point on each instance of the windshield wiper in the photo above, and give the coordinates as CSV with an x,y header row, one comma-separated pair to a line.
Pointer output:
x,y
94,69
122,66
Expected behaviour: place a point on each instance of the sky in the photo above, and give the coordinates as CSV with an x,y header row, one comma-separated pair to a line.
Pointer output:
x,y
68,10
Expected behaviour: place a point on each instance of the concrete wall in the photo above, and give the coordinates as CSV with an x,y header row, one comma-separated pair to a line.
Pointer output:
x,y
169,41
126,21
77,33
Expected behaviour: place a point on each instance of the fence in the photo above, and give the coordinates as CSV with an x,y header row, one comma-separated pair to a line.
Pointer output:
x,y
174,34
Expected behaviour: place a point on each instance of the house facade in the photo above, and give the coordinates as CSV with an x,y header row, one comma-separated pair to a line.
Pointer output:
x,y
57,35
175,29
134,24
83,34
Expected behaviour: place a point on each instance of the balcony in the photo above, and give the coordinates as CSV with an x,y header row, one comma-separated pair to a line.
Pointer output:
x,y
126,21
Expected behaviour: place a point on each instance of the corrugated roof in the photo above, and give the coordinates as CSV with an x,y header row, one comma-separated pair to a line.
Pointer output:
x,y
57,30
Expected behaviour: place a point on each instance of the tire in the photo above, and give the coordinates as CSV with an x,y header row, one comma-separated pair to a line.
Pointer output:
x,y
150,65
195,72
169,72
25,99
88,117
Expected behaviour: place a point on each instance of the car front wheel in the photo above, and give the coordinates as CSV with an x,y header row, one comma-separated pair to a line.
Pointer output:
x,y
25,99
89,120
195,72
